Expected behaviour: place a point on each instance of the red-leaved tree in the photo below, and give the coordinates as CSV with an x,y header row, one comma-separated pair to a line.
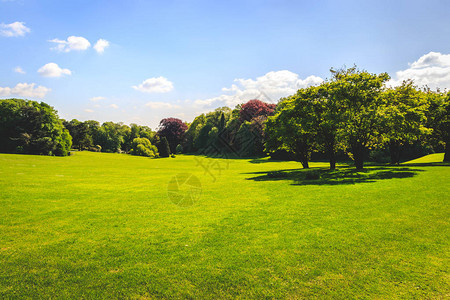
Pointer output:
x,y
255,108
173,129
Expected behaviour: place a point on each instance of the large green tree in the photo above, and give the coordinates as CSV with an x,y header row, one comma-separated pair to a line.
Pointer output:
x,y
403,116
359,96
294,126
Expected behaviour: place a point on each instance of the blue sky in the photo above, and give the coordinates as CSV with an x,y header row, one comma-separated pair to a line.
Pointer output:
x,y
199,55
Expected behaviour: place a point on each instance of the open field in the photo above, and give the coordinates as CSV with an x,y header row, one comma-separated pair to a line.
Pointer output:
x,y
102,225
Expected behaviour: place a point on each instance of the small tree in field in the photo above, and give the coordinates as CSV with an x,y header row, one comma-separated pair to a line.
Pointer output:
x,y
164,150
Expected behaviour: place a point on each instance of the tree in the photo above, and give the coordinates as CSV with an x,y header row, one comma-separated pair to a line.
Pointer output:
x,y
255,108
293,128
403,117
328,119
173,130
359,96
143,147
438,119
32,128
163,147
109,137
81,136
191,135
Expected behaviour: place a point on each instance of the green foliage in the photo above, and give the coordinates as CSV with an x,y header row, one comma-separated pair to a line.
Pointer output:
x,y
403,117
109,136
294,126
143,147
32,128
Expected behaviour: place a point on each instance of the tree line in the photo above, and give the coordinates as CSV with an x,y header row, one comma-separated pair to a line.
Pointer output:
x,y
353,114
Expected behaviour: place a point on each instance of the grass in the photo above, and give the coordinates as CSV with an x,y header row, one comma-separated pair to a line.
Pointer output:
x,y
96,225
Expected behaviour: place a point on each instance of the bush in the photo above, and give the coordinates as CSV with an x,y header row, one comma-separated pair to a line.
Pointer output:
x,y
143,147
179,149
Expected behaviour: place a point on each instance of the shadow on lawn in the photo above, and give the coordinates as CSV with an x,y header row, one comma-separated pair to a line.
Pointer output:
x,y
323,176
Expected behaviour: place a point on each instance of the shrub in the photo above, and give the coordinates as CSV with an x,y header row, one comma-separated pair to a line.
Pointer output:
x,y
179,149
143,147
164,150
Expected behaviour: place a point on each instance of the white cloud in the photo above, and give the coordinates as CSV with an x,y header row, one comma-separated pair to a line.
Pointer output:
x,y
25,90
53,70
159,105
88,110
432,69
19,70
269,88
96,99
14,29
78,43
155,85
115,106
101,45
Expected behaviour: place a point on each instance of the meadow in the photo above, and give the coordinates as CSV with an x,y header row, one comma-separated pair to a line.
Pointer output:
x,y
98,225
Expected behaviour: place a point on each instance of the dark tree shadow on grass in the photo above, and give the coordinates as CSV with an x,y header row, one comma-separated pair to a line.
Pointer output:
x,y
322,176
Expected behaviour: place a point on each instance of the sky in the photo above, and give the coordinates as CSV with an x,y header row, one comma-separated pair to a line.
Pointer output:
x,y
139,61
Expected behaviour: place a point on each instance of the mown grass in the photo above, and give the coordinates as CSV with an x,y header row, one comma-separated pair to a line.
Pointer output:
x,y
97,225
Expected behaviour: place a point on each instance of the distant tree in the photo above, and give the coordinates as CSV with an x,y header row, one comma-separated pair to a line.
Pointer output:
x,y
143,147
32,128
164,150
109,137
173,130
191,135
135,131
81,136
255,108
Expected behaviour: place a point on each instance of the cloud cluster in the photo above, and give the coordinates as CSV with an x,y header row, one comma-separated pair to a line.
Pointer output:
x,y
101,45
270,88
154,85
77,43
19,70
432,69
98,98
53,70
14,29
25,90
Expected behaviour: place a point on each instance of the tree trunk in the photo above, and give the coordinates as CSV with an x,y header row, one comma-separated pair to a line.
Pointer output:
x,y
332,161
305,163
358,155
447,152
394,150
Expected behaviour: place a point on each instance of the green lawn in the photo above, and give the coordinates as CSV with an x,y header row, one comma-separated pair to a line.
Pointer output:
x,y
97,225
